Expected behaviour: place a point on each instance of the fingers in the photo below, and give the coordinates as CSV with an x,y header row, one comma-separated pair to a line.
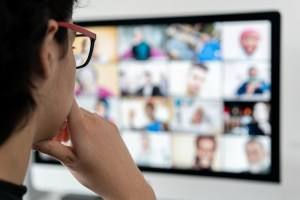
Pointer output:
x,y
75,122
75,115
62,135
57,150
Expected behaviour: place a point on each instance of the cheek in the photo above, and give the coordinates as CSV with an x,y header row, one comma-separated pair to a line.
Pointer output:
x,y
67,82
70,72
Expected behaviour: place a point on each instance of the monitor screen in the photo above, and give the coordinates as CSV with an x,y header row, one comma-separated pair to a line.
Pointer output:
x,y
190,95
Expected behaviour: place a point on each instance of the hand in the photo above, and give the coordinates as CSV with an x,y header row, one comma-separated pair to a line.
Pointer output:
x,y
251,87
97,157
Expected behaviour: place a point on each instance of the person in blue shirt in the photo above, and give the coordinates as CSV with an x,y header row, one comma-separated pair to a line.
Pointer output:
x,y
210,51
254,85
141,49
155,124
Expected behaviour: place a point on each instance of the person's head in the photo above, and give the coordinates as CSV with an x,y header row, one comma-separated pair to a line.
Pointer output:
x,y
198,116
206,147
37,66
252,72
196,78
148,78
261,112
150,109
256,155
249,40
145,142
205,37
138,35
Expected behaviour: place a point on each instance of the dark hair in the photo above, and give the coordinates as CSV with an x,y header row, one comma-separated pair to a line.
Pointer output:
x,y
150,105
204,137
24,25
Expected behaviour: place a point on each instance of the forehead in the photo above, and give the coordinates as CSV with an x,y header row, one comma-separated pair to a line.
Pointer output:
x,y
206,143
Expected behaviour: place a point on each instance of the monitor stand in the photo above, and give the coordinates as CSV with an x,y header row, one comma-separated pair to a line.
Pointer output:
x,y
80,197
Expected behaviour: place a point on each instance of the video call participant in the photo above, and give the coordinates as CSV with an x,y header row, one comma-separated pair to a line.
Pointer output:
x,y
180,42
38,77
196,79
145,155
254,85
210,50
260,124
87,80
257,157
205,153
102,109
200,121
249,41
140,49
149,88
153,125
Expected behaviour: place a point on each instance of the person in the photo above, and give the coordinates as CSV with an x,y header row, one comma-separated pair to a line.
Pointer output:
x,y
249,40
153,125
201,121
196,79
37,79
145,156
211,49
140,48
254,85
192,118
257,157
102,109
181,41
205,153
148,89
260,124
88,85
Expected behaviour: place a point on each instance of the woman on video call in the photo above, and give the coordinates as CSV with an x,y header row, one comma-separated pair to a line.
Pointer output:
x,y
37,78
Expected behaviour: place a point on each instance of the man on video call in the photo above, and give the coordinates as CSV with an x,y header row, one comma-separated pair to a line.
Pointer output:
x,y
256,156
196,79
205,153
254,85
149,89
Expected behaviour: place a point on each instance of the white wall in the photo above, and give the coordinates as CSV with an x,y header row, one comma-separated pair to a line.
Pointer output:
x,y
289,9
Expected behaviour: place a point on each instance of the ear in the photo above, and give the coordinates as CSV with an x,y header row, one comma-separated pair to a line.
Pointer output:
x,y
49,50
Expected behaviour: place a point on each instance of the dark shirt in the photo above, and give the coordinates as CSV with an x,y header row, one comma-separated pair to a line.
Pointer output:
x,y
9,191
155,91
254,129
141,51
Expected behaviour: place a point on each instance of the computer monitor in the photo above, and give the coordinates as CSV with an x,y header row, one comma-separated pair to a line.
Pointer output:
x,y
196,100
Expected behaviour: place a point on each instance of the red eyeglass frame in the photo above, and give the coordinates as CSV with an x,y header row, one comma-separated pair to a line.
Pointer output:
x,y
83,32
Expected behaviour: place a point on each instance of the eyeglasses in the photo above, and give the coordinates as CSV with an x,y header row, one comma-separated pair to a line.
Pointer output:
x,y
83,44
